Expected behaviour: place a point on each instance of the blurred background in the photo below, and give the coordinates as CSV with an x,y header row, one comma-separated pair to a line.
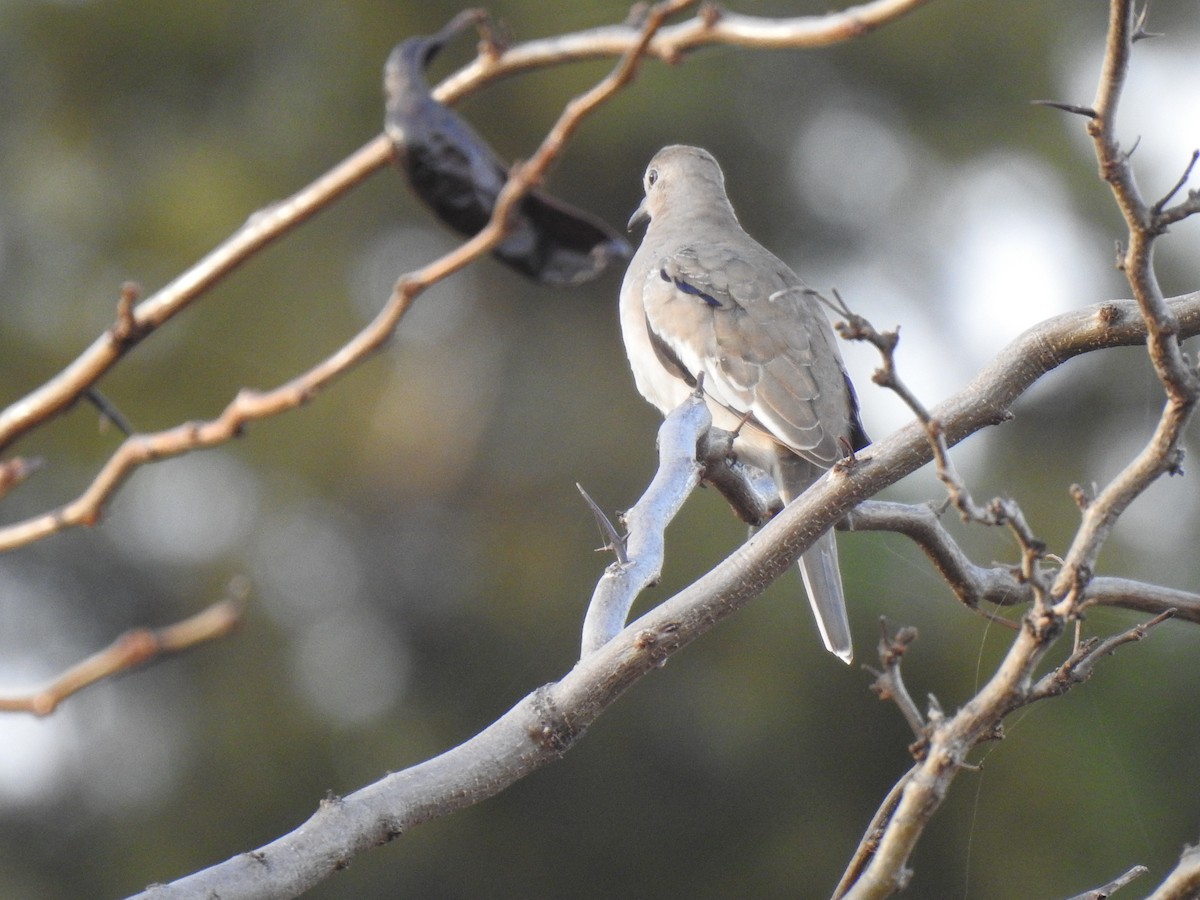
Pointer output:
x,y
418,553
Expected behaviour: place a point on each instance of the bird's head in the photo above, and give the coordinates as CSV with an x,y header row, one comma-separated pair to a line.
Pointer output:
x,y
682,177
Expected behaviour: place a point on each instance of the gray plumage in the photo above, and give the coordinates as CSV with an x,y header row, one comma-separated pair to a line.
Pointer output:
x,y
702,296
459,176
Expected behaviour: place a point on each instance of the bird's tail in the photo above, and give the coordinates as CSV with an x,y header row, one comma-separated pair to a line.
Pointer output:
x,y
823,581
819,564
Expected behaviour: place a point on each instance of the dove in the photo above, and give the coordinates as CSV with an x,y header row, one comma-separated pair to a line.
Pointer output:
x,y
703,302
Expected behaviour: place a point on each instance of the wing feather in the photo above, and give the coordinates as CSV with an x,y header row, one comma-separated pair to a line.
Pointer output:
x,y
741,317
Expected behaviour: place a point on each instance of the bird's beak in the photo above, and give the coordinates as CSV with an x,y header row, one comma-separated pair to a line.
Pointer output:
x,y
640,216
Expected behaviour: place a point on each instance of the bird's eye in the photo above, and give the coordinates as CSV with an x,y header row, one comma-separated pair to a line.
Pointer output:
x,y
651,177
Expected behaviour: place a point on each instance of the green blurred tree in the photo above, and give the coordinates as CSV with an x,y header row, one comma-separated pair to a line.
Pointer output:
x,y
412,535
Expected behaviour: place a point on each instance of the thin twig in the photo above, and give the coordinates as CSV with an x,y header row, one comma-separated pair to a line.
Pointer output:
x,y
1158,207
889,684
1107,890
998,511
273,222
250,406
1161,455
132,649
1079,667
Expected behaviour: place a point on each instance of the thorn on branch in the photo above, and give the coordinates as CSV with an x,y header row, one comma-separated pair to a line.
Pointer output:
x,y
1161,217
1085,111
1139,26
613,540
1178,186
1127,155
108,411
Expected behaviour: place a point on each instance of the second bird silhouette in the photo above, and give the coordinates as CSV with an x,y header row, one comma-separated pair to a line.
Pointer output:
x,y
703,297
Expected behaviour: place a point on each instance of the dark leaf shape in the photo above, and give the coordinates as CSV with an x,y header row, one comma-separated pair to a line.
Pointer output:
x,y
458,176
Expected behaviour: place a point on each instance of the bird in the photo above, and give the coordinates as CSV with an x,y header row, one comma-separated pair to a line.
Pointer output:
x,y
702,302
459,176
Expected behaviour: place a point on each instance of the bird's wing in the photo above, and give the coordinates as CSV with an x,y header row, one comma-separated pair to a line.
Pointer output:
x,y
734,312
458,175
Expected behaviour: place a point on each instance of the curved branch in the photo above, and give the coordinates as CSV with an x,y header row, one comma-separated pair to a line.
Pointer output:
x,y
546,723
974,584
132,649
711,26
133,326
1161,454
250,406
677,476
269,224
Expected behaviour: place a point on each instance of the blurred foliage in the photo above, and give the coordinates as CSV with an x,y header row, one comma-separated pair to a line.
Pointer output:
x,y
420,555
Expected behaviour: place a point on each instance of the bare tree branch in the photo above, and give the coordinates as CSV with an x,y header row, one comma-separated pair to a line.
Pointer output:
x,y
273,222
645,548
132,649
1162,453
889,684
972,584
870,842
998,511
1000,585
1113,886
133,325
1011,686
545,724
1080,665
250,406
712,25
